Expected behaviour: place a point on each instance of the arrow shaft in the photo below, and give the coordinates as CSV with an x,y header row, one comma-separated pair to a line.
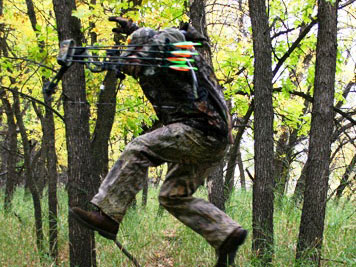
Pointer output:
x,y
132,64
177,53
175,60
178,44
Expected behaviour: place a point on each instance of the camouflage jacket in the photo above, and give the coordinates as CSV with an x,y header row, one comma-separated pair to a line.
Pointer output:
x,y
174,94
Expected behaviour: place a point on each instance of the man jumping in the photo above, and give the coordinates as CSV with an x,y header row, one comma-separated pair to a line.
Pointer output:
x,y
195,132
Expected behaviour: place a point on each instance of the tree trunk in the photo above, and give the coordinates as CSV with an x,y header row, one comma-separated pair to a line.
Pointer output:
x,y
145,191
240,164
76,115
281,165
11,150
49,152
313,214
197,17
233,154
10,143
216,187
103,127
345,178
28,172
300,186
263,186
51,164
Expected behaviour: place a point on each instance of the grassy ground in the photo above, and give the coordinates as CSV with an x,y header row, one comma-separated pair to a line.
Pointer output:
x,y
163,241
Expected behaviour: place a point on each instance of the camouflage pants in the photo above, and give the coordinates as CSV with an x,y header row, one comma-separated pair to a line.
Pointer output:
x,y
190,155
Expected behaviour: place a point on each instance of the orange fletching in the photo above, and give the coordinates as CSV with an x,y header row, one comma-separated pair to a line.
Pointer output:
x,y
176,59
185,46
179,68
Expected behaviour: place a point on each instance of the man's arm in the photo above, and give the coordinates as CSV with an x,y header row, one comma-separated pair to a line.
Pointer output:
x,y
124,26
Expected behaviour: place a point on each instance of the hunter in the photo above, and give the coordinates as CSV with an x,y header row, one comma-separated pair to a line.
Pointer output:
x,y
192,140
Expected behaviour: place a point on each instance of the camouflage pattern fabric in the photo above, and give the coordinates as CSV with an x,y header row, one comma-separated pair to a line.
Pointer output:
x,y
173,94
191,154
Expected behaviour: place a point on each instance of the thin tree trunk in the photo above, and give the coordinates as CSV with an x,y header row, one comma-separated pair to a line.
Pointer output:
x,y
216,187
145,191
48,145
263,186
345,178
11,150
280,162
317,175
240,164
51,163
28,172
233,153
103,127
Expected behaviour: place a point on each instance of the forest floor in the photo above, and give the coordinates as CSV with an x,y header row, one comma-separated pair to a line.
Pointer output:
x,y
162,241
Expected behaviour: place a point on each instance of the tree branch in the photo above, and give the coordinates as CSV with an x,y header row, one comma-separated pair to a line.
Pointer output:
x,y
35,100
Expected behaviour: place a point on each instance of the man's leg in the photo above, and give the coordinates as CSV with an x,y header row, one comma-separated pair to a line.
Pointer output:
x,y
117,191
221,232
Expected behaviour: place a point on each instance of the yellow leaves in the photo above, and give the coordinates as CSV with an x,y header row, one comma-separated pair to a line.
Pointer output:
x,y
96,30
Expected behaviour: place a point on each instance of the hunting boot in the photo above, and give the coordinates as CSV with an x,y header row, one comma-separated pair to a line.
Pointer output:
x,y
227,251
97,221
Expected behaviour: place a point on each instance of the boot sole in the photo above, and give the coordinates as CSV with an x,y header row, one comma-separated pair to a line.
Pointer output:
x,y
102,232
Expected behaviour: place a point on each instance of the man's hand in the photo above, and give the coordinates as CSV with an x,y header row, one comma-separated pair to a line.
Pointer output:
x,y
191,34
124,26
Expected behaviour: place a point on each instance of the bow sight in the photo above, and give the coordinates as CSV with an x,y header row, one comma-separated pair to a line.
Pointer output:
x,y
103,58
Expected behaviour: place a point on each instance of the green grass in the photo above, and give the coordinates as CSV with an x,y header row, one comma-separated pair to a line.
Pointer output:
x,y
163,241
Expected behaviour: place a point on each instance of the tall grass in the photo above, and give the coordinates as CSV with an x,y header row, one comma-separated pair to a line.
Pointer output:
x,y
163,241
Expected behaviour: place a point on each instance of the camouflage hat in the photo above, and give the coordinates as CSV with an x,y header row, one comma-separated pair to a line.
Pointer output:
x,y
173,35
141,36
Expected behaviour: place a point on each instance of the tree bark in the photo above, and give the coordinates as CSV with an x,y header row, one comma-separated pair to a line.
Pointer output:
x,y
11,150
240,164
103,127
49,152
263,186
345,178
317,174
281,165
28,172
145,191
10,142
197,17
216,187
76,114
51,164
233,153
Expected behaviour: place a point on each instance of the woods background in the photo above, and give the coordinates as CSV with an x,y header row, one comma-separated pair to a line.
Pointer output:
x,y
288,72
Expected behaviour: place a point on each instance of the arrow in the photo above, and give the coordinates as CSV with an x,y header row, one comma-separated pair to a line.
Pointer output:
x,y
186,44
184,53
178,60
98,63
182,68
